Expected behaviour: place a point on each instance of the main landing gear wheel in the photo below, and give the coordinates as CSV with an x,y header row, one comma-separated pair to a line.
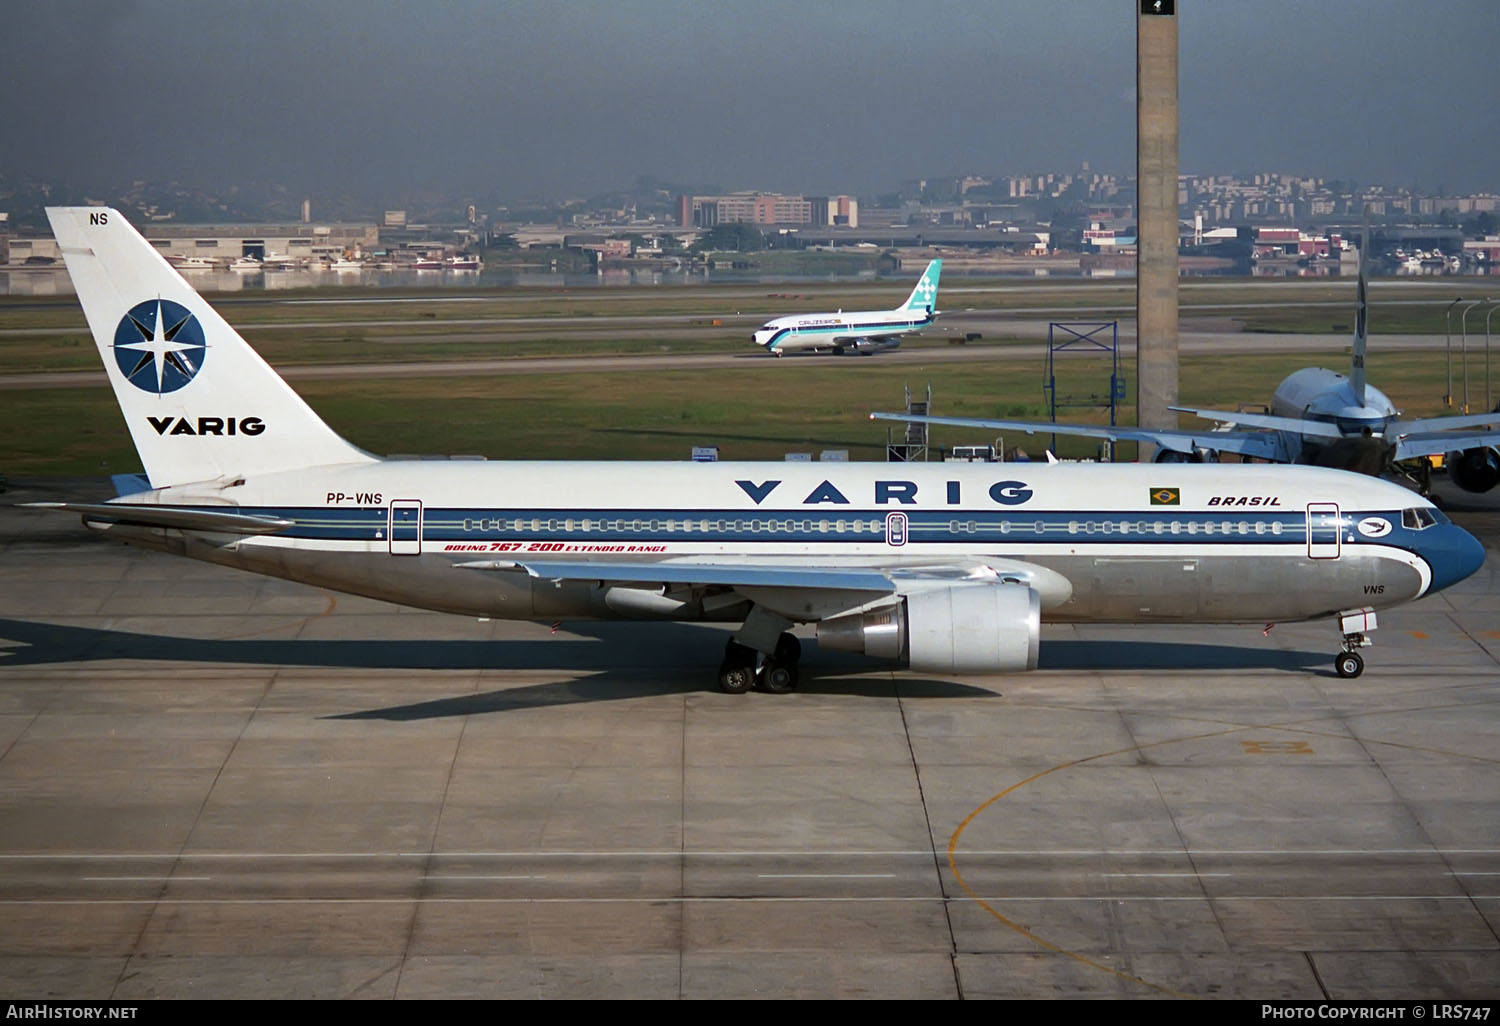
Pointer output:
x,y
779,674
737,671
1349,664
778,677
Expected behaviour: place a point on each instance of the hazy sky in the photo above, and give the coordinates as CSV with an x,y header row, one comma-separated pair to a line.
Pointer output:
x,y
557,98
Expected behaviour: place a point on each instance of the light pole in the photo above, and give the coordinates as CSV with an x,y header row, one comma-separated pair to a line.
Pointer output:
x,y
1487,317
1463,322
1448,348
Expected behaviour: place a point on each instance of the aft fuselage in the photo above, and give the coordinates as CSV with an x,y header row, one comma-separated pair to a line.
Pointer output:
x,y
1327,397
1197,543
1315,393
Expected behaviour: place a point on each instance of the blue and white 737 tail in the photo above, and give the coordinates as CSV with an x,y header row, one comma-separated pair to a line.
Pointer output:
x,y
199,402
923,298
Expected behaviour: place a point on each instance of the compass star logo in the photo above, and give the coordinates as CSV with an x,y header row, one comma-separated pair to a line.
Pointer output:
x,y
159,346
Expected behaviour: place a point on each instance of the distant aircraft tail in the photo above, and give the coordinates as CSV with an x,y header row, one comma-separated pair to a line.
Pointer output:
x,y
924,296
199,402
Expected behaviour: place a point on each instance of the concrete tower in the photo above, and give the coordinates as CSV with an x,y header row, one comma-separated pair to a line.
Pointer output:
x,y
1156,213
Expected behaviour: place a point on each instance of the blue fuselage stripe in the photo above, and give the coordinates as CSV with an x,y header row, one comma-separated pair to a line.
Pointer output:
x,y
832,524
847,330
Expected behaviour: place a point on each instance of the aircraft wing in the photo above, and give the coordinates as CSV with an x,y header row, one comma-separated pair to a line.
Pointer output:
x,y
725,574
1266,421
1246,443
1432,443
168,516
804,591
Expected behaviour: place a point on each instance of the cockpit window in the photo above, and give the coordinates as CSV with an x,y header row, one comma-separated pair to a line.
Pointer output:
x,y
1421,517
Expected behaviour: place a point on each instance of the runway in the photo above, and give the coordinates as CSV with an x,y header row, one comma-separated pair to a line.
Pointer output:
x,y
402,328
746,357
218,785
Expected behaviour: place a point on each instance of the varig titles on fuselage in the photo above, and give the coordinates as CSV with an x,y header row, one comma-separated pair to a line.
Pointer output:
x,y
891,492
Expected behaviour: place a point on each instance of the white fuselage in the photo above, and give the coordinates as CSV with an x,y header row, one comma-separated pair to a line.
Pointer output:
x,y
861,331
1197,543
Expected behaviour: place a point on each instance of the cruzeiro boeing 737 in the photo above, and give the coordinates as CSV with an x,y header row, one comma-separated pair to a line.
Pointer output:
x,y
857,331
950,569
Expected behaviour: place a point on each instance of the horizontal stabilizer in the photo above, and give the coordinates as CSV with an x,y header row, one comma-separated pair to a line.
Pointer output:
x,y
169,516
129,484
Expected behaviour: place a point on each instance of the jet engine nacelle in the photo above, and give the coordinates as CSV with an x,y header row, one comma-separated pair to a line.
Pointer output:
x,y
866,346
1474,470
973,628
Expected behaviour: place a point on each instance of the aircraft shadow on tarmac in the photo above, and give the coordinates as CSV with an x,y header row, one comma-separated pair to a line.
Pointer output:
x,y
607,687
678,658
604,658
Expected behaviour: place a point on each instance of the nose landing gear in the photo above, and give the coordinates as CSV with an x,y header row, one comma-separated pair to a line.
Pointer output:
x,y
1355,626
1349,664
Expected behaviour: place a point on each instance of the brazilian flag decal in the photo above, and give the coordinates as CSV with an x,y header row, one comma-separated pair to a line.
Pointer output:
x,y
1166,497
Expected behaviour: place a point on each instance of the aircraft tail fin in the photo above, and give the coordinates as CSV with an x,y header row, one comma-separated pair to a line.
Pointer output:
x,y
199,402
924,296
1361,323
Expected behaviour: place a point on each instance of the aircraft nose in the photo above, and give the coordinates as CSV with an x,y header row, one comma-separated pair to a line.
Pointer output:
x,y
1453,554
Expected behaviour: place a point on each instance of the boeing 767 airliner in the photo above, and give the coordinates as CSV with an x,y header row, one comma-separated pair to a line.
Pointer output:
x,y
950,569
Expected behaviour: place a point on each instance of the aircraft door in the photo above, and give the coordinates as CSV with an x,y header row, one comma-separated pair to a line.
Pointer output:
x,y
1324,530
405,528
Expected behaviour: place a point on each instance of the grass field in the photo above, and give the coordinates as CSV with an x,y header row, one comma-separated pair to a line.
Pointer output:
x,y
750,413
357,325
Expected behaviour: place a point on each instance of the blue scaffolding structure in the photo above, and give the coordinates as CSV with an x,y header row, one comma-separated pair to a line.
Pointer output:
x,y
1072,336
